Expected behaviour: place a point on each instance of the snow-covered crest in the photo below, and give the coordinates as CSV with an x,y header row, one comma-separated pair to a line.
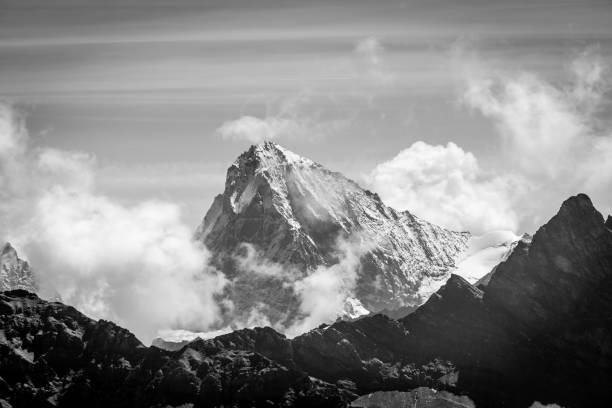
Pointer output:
x,y
293,210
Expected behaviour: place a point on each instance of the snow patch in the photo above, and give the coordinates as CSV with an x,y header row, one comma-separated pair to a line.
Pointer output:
x,y
484,252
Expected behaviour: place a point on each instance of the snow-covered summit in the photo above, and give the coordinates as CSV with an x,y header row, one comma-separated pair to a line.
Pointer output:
x,y
299,214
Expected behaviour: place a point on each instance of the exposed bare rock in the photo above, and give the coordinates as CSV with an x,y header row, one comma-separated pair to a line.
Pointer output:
x,y
52,355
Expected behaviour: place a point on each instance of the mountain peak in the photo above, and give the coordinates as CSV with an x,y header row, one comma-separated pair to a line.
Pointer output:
x,y
609,222
8,248
578,204
293,212
269,154
457,287
576,215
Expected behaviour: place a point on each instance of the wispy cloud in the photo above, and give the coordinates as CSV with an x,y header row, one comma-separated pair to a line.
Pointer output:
x,y
553,144
369,52
135,265
550,133
299,117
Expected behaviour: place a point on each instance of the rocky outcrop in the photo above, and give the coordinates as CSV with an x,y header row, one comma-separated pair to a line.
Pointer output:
x,y
15,273
52,355
294,211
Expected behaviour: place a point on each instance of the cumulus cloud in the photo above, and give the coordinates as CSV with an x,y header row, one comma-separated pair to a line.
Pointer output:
x,y
445,185
135,265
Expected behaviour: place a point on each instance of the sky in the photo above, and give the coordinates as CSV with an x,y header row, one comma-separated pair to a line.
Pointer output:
x,y
146,85
121,118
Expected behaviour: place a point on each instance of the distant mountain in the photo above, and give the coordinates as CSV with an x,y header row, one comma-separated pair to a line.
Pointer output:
x,y
539,331
294,212
15,273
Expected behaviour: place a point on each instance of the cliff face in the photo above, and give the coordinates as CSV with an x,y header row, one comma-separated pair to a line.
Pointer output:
x,y
294,212
15,273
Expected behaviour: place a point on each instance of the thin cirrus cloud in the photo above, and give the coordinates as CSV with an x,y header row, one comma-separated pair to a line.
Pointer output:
x,y
303,116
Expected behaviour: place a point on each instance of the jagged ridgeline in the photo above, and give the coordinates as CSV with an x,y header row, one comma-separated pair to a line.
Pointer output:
x,y
538,331
299,215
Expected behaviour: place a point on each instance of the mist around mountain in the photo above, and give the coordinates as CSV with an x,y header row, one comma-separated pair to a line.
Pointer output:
x,y
538,333
302,245
288,244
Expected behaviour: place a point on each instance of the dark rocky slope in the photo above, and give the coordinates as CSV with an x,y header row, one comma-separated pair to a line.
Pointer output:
x,y
540,330
52,355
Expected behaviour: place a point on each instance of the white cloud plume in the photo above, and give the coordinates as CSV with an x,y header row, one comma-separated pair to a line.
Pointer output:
x,y
325,292
135,265
551,133
553,146
256,130
319,296
445,185
298,117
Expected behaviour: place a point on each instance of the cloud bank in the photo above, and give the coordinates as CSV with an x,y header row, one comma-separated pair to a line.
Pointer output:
x,y
138,265
552,144
445,185
551,134
134,265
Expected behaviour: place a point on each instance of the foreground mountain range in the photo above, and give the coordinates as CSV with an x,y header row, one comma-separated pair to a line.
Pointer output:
x,y
540,329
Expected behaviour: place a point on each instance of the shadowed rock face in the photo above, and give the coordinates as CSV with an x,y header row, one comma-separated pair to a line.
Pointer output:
x,y
293,211
52,355
540,330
